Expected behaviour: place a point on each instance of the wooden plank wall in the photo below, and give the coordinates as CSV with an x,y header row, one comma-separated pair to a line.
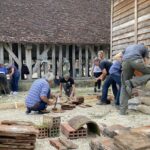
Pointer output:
x,y
130,23
143,26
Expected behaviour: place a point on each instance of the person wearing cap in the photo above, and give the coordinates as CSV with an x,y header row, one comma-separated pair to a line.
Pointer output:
x,y
68,84
39,94
3,79
14,78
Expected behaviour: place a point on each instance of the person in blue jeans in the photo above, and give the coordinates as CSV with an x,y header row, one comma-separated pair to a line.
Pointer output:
x,y
115,74
105,67
39,94
14,76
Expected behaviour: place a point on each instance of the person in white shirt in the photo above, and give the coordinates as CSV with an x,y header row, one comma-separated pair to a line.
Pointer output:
x,y
97,72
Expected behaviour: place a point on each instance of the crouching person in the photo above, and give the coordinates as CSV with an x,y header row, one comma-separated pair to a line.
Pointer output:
x,y
68,84
39,94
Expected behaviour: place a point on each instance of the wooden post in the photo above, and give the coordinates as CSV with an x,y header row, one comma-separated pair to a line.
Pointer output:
x,y
73,60
111,26
9,50
67,52
136,22
46,48
38,57
60,60
1,53
87,61
10,57
19,57
53,59
29,59
80,61
92,52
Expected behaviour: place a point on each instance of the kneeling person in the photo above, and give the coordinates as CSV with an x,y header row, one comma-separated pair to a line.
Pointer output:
x,y
39,94
68,84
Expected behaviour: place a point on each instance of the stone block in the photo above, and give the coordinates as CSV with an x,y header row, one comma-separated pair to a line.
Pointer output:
x,y
132,141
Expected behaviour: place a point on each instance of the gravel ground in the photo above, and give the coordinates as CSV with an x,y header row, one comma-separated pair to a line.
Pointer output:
x,y
100,114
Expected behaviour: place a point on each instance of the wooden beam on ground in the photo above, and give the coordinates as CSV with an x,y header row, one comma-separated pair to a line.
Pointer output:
x,y
87,61
1,53
73,60
60,60
9,50
80,61
53,59
28,49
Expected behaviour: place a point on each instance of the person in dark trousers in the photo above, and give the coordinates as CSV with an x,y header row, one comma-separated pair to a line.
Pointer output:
x,y
135,57
39,94
24,71
105,66
14,76
115,74
97,72
4,86
68,84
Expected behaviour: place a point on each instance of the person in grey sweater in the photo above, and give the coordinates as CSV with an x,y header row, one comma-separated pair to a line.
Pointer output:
x,y
135,57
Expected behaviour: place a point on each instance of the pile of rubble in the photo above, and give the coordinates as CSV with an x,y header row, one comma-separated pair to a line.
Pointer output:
x,y
142,101
118,137
17,135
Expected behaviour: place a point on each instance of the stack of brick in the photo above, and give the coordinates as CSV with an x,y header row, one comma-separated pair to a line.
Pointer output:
x,y
50,127
141,102
17,137
117,137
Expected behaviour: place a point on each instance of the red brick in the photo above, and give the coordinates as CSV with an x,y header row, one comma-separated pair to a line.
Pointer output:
x,y
71,133
43,132
57,145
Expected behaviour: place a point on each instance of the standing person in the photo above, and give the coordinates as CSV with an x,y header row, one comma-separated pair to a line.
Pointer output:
x,y
3,79
39,94
14,76
101,55
105,67
135,57
97,72
68,84
115,74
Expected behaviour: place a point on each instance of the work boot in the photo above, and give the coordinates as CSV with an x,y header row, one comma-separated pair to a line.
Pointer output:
x,y
44,111
128,87
101,103
123,112
95,90
28,111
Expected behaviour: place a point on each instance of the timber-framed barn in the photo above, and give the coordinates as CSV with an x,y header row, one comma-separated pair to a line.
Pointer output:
x,y
51,30
130,23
